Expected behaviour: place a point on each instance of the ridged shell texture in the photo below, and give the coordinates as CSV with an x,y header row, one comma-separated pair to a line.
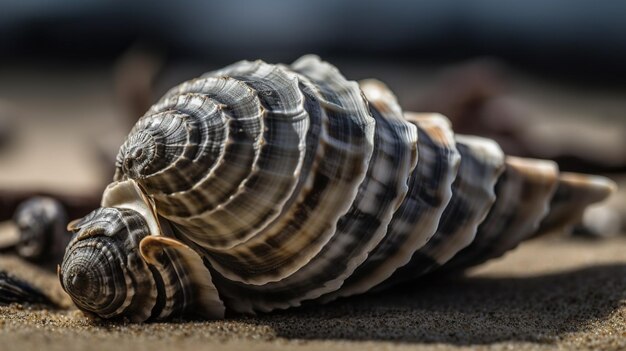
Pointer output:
x,y
270,185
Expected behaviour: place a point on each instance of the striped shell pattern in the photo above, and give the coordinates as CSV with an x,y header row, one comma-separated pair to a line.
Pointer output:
x,y
258,187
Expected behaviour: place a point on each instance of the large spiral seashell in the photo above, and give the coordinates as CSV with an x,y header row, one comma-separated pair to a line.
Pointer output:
x,y
257,187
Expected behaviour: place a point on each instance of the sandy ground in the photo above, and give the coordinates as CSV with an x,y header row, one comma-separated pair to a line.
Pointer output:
x,y
551,293
547,294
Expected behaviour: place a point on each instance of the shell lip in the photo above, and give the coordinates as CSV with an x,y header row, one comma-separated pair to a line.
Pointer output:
x,y
130,195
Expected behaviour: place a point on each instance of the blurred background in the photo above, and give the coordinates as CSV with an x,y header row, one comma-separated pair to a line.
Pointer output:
x,y
544,78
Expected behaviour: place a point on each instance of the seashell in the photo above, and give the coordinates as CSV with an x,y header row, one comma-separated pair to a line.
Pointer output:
x,y
37,232
41,222
258,187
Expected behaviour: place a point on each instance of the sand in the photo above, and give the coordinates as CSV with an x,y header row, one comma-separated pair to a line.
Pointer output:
x,y
548,294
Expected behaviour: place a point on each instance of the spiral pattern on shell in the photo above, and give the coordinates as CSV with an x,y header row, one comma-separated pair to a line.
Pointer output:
x,y
261,186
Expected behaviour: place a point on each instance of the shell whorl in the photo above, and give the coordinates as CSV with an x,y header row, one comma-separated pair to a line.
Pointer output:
x,y
118,264
262,186
170,148
104,277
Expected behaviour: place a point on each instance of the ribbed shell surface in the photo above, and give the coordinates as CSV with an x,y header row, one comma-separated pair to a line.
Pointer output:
x,y
292,183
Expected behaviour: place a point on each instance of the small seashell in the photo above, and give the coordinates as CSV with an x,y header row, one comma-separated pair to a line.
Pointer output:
x,y
37,231
258,187
41,225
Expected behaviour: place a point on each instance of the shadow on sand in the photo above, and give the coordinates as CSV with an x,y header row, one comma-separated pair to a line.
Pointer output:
x,y
464,311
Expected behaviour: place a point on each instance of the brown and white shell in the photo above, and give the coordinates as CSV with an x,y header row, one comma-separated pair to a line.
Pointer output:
x,y
257,187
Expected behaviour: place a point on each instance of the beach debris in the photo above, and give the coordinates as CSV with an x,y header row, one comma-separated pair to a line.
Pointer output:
x,y
74,205
14,290
476,97
36,233
257,187
41,223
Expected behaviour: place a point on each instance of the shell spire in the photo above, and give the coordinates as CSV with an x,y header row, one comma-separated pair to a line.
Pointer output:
x,y
170,147
258,187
